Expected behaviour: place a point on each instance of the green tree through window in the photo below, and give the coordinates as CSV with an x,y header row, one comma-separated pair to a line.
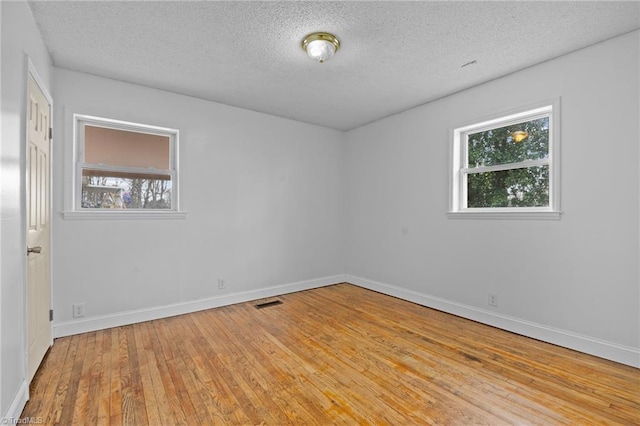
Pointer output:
x,y
520,184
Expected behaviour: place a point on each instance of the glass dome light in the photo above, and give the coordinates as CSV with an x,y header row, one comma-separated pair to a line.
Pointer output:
x,y
519,136
321,46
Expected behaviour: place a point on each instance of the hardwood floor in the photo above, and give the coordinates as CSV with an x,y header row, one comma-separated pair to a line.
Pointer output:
x,y
334,355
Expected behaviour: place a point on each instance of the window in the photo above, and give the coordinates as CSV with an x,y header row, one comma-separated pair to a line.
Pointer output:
x,y
507,167
124,168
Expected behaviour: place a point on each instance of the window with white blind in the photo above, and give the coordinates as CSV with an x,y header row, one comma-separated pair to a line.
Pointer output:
x,y
123,167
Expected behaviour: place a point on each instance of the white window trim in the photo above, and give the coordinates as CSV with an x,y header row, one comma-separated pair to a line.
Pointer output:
x,y
74,211
457,187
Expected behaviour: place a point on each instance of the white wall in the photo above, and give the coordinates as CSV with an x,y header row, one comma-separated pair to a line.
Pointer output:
x,y
264,202
19,37
574,281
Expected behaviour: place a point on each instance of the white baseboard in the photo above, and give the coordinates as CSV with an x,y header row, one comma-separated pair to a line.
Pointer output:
x,y
17,405
600,348
84,325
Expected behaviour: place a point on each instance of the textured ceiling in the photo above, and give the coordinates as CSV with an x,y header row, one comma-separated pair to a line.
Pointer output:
x,y
394,55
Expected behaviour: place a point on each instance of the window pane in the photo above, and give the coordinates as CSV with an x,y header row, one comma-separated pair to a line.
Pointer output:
x,y
118,190
526,187
122,148
528,140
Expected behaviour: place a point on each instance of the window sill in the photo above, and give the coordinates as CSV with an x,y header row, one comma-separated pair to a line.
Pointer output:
x,y
506,215
120,215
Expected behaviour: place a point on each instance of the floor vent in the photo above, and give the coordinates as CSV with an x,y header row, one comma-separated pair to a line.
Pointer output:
x,y
268,304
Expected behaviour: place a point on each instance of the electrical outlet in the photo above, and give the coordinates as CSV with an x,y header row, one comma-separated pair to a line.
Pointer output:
x,y
493,299
221,283
78,310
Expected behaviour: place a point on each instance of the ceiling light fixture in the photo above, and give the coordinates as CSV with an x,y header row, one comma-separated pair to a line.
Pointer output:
x,y
519,136
321,46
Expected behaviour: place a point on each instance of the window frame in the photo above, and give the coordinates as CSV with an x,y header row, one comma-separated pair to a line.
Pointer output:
x,y
79,212
460,171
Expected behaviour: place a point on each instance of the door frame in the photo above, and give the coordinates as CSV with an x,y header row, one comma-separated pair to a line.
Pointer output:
x,y
32,72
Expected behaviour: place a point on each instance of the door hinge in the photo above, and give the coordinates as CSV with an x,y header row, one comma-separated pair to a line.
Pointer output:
x,y
50,314
50,133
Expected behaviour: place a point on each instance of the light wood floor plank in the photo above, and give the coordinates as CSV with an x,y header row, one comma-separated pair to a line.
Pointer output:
x,y
115,400
334,355
235,368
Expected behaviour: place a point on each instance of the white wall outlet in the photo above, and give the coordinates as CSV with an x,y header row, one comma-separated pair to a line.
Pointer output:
x,y
493,299
221,283
78,310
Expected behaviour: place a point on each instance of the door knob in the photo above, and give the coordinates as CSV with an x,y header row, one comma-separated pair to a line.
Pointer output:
x,y
36,249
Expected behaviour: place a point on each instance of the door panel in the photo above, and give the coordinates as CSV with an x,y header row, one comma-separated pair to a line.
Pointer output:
x,y
38,234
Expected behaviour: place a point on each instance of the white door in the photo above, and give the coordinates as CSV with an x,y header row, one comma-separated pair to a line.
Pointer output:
x,y
38,235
